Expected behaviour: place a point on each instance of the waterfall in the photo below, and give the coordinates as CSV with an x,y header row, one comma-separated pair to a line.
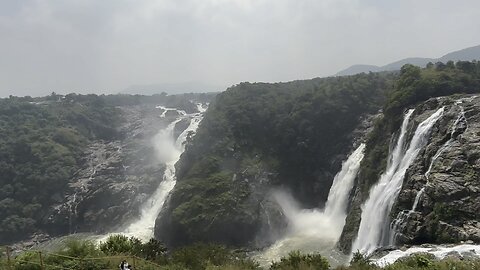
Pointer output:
x,y
342,185
417,199
316,230
374,226
404,215
168,150
460,119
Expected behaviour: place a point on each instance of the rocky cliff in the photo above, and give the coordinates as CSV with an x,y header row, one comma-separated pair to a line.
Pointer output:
x,y
439,201
440,197
116,177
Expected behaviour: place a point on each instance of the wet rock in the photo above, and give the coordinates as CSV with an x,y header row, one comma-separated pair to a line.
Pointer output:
x,y
115,179
449,209
452,200
181,126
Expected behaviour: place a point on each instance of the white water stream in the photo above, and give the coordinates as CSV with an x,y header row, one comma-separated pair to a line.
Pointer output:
x,y
374,229
168,150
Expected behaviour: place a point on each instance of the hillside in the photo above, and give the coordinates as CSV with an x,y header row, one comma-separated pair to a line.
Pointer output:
x,y
258,137
70,163
468,54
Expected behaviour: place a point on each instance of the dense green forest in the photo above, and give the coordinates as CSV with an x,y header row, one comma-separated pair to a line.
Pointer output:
x,y
41,144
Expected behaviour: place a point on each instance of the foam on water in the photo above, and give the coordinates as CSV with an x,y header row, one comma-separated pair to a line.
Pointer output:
x,y
439,252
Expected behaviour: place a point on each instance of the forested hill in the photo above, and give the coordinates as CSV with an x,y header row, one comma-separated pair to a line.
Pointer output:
x,y
258,135
43,143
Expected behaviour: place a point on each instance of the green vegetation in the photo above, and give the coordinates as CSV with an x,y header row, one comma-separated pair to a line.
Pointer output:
x,y
84,255
296,260
41,143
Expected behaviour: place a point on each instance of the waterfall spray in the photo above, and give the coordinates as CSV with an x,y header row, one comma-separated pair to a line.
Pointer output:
x,y
316,230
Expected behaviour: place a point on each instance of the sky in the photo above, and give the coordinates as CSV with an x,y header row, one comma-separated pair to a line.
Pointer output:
x,y
106,46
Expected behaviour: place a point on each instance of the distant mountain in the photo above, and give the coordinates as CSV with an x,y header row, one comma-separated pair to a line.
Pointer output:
x,y
467,54
173,88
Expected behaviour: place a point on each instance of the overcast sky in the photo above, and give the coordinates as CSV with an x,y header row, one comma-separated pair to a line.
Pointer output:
x,y
104,46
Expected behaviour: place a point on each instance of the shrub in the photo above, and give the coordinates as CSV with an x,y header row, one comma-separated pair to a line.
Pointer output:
x,y
296,260
210,256
121,244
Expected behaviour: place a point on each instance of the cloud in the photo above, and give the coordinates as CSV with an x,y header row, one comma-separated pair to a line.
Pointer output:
x,y
105,46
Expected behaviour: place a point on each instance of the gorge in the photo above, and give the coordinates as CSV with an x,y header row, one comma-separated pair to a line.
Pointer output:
x,y
330,165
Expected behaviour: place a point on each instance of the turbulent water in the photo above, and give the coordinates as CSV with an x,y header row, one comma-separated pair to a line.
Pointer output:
x,y
374,229
168,150
316,230
439,252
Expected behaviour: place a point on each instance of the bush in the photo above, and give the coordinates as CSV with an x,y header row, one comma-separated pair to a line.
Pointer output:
x,y
121,244
210,256
361,261
415,261
296,260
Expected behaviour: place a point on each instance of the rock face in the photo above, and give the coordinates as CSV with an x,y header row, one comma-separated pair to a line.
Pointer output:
x,y
253,218
446,179
116,178
440,198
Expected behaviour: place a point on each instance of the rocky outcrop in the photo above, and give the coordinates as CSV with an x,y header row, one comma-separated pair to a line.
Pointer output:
x,y
445,181
440,198
115,179
243,215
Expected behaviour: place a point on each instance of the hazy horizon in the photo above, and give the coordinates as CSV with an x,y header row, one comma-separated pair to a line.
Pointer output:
x,y
109,46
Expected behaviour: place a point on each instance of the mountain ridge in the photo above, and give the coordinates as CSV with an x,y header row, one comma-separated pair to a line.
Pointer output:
x,y
467,54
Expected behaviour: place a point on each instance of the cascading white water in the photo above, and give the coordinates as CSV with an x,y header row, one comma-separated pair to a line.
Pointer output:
x,y
374,226
404,215
417,199
337,201
316,230
168,151
166,109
